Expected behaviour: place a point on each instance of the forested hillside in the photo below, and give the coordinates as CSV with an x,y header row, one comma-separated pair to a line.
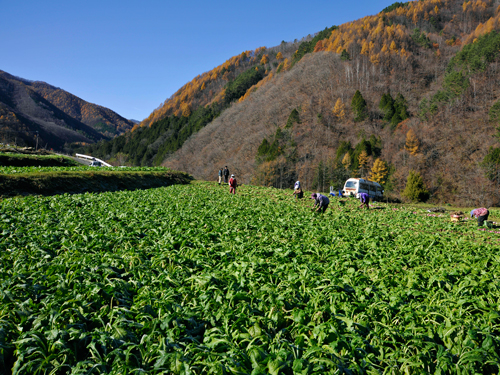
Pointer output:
x,y
33,110
102,119
412,90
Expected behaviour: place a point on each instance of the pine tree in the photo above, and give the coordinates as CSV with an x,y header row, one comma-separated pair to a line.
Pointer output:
x,y
415,190
359,107
292,119
345,55
379,171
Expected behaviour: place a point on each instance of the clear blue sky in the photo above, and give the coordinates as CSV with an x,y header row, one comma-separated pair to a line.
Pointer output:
x,y
131,55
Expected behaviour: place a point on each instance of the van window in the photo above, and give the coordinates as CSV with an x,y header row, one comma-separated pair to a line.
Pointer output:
x,y
363,186
350,184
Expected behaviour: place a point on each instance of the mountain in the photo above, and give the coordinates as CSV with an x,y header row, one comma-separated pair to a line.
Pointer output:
x,y
413,88
30,108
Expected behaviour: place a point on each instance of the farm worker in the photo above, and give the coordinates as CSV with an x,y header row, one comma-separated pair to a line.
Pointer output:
x,y
220,176
297,191
321,201
364,199
481,214
340,194
226,174
232,184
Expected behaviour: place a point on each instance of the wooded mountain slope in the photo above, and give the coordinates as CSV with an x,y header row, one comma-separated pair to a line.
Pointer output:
x,y
413,88
59,117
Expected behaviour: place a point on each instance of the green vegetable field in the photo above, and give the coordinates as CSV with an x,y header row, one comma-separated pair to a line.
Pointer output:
x,y
191,280
79,168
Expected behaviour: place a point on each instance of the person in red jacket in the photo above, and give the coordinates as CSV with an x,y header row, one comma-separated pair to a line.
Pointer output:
x,y
233,184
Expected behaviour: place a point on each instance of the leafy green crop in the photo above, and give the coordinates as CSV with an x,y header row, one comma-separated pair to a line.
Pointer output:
x,y
192,280
15,170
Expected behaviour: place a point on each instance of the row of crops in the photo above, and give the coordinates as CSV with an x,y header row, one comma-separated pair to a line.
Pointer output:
x,y
192,280
82,168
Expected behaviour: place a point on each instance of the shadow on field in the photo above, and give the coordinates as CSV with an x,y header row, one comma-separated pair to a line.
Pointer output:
x,y
87,181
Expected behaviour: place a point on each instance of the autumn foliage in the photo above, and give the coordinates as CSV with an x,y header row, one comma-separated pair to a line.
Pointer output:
x,y
373,97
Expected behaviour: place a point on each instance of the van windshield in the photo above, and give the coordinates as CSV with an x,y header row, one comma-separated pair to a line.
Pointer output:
x,y
350,184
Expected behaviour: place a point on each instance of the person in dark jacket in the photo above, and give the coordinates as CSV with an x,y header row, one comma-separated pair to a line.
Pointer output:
x,y
226,174
365,200
481,214
321,201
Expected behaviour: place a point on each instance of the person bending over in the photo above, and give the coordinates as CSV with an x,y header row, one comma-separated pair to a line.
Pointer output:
x,y
481,214
364,198
321,201
297,191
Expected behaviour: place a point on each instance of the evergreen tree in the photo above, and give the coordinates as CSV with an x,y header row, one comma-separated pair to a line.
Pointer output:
x,y
415,190
396,110
491,164
387,106
344,56
494,112
359,107
293,118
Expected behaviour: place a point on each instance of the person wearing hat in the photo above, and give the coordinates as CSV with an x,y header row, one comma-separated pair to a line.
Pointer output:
x,y
233,184
321,201
297,191
365,200
481,214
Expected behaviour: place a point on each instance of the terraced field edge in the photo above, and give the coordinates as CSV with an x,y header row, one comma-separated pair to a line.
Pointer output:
x,y
53,183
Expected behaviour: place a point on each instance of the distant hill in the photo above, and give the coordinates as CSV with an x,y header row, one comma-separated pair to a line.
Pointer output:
x,y
32,108
415,87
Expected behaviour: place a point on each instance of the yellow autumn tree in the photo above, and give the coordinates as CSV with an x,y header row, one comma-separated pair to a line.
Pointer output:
x,y
393,47
264,60
186,110
379,171
279,56
339,110
365,48
375,59
346,161
412,143
362,162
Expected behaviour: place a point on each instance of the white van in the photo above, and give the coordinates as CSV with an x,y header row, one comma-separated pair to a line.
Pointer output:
x,y
353,186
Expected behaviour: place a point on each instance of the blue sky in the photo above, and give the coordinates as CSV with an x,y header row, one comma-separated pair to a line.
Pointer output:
x,y
131,55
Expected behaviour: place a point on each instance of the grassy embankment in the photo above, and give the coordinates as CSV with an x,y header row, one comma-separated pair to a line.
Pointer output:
x,y
58,175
